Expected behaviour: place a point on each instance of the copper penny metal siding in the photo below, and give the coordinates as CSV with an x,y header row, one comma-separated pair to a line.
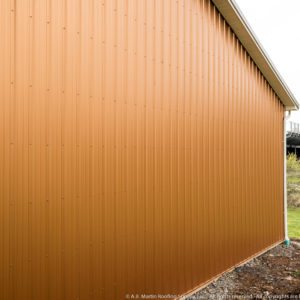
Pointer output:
x,y
141,149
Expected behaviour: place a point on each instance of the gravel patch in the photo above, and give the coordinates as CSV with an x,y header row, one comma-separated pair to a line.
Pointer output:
x,y
276,272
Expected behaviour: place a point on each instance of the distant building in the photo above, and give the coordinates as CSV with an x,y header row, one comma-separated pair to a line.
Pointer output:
x,y
293,137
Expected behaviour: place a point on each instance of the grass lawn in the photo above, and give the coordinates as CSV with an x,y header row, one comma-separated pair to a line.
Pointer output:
x,y
294,222
293,179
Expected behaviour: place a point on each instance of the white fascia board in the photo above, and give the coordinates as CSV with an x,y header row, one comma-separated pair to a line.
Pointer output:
x,y
234,17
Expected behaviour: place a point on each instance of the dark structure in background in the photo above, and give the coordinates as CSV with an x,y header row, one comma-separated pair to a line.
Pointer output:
x,y
293,138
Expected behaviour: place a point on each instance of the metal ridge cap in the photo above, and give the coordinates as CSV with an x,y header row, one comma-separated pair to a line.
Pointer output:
x,y
238,23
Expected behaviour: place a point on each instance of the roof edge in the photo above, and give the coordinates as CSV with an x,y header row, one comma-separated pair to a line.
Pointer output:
x,y
236,20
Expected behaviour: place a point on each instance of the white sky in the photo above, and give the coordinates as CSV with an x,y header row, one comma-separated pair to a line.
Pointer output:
x,y
276,24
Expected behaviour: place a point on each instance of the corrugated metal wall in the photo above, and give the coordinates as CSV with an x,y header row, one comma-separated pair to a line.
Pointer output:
x,y
141,149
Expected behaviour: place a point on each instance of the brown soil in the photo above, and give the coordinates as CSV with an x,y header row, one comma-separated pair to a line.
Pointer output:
x,y
273,275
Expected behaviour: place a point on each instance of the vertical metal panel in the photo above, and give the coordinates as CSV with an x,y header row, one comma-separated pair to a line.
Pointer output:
x,y
141,149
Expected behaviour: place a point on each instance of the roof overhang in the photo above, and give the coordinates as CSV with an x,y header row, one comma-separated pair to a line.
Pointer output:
x,y
239,25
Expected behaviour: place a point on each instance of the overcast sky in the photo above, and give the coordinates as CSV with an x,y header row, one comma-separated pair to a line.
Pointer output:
x,y
276,23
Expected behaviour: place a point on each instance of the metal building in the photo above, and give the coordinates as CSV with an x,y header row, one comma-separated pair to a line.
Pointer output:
x,y
141,147
293,137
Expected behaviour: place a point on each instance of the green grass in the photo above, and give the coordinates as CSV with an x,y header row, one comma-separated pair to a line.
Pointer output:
x,y
294,222
293,179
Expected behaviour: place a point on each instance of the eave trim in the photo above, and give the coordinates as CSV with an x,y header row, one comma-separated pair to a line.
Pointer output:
x,y
236,20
